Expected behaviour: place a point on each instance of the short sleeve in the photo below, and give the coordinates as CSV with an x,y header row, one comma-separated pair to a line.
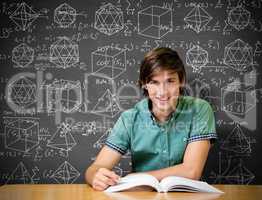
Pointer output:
x,y
118,138
203,123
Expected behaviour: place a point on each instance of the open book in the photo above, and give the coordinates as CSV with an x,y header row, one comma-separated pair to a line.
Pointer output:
x,y
170,183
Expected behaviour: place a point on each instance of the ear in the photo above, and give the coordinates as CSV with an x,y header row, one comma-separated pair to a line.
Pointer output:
x,y
144,87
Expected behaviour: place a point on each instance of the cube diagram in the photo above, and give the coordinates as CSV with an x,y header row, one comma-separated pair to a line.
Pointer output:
x,y
21,134
109,61
155,22
237,99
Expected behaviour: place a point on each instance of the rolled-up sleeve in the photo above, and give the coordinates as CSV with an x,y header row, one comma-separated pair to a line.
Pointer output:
x,y
203,123
118,139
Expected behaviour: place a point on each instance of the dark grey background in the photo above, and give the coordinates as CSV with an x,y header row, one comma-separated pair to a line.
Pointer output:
x,y
56,158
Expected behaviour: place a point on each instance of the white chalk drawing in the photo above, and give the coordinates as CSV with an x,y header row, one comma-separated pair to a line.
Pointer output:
x,y
197,57
101,140
65,174
22,92
64,15
23,55
107,105
109,19
64,95
197,18
21,133
239,17
110,61
237,142
258,49
128,94
238,55
101,84
234,173
24,16
62,139
20,175
155,22
64,53
237,98
198,88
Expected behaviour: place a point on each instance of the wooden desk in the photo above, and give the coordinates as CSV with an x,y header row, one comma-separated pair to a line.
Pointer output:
x,y
84,192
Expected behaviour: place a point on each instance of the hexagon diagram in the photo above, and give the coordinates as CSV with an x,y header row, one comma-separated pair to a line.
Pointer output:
x,y
22,92
109,19
239,17
64,53
196,57
64,15
23,16
197,18
238,55
23,55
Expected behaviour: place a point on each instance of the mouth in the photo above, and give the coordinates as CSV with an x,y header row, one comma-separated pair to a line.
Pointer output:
x,y
163,100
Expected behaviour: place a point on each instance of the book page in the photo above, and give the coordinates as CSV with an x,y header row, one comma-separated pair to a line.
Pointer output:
x,y
174,183
131,181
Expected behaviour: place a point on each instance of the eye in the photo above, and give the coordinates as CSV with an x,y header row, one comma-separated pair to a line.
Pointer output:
x,y
152,82
171,80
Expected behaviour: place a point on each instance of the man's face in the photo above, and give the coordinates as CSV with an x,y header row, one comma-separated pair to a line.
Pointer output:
x,y
163,90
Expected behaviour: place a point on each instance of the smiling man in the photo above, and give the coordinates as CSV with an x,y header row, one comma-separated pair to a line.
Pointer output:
x,y
166,133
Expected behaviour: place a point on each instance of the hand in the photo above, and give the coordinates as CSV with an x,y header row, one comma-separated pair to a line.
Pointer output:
x,y
104,178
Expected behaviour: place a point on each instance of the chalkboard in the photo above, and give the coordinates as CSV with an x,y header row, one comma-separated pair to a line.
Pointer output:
x,y
70,68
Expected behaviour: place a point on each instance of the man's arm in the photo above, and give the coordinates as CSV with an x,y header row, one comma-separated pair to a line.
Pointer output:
x,y
100,175
193,162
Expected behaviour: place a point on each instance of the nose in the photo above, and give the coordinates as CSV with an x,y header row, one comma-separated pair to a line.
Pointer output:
x,y
162,89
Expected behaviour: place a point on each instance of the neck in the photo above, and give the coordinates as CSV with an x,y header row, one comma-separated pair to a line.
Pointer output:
x,y
162,115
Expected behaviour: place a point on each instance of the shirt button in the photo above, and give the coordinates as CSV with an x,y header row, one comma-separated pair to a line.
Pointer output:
x,y
164,151
184,139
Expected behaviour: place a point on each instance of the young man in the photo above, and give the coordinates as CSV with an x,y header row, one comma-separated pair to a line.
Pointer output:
x,y
166,133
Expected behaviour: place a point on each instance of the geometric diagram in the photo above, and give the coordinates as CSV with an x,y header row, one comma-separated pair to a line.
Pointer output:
x,y
238,55
22,92
128,94
24,16
21,134
110,61
64,95
101,141
239,175
258,49
198,88
235,173
109,19
197,18
23,55
196,57
65,174
239,17
237,142
237,98
96,86
155,22
62,139
107,105
20,175
64,53
64,15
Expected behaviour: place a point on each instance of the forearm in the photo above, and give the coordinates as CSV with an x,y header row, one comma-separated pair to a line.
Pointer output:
x,y
177,170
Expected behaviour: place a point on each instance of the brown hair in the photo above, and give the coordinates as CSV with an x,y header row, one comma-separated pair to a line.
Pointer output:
x,y
158,59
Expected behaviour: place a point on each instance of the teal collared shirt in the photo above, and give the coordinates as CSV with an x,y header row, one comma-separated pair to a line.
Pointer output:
x,y
155,146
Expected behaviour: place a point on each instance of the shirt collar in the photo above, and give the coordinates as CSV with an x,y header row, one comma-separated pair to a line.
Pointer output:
x,y
144,107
